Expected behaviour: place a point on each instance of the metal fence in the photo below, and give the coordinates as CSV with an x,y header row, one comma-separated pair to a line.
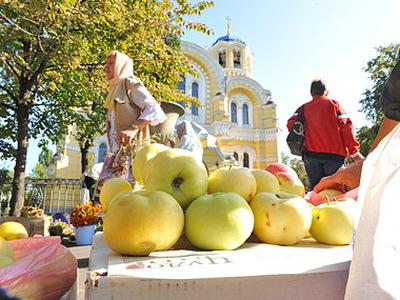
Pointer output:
x,y
52,195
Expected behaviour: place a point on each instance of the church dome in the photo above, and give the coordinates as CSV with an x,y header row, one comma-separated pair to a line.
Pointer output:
x,y
228,38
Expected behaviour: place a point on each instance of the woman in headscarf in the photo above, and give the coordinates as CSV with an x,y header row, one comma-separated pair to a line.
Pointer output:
x,y
188,139
130,109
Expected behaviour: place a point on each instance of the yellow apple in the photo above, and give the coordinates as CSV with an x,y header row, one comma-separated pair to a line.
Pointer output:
x,y
220,221
179,173
111,188
280,218
140,222
330,193
142,157
333,222
311,206
266,181
6,249
13,230
233,180
290,184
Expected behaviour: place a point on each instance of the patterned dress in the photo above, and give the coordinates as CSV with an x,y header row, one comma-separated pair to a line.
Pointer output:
x,y
118,161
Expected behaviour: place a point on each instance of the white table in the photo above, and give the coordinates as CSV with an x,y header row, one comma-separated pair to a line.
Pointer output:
x,y
308,270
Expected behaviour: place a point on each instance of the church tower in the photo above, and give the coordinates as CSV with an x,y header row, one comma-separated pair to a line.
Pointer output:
x,y
232,54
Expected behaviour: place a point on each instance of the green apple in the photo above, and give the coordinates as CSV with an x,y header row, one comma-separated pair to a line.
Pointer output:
x,y
290,184
333,222
233,179
111,188
220,221
179,173
280,218
266,181
330,193
142,157
140,222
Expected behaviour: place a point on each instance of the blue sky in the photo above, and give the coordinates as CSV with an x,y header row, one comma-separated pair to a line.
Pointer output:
x,y
295,41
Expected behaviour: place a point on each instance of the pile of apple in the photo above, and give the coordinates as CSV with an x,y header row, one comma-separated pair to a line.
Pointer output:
x,y
216,212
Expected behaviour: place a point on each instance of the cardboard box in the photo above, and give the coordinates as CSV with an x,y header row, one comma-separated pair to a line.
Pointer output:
x,y
308,270
33,225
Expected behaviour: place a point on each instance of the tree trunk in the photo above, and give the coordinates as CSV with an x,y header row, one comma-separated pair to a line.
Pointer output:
x,y
18,192
84,157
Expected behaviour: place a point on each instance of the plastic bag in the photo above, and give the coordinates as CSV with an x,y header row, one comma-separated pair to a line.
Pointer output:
x,y
375,268
43,269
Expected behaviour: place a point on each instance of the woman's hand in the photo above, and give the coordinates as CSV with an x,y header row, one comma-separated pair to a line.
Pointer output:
x,y
125,137
348,176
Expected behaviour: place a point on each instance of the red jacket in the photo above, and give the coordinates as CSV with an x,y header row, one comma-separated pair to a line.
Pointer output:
x,y
327,128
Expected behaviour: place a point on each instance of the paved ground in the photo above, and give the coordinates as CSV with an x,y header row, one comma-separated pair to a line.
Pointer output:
x,y
82,254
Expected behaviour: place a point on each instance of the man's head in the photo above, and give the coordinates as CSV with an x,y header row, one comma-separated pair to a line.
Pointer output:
x,y
318,88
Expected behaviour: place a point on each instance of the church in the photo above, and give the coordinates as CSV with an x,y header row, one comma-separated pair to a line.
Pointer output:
x,y
236,112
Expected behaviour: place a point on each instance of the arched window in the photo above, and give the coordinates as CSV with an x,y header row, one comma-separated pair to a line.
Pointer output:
x,y
246,161
195,93
245,114
102,152
222,58
182,87
236,58
233,112
236,156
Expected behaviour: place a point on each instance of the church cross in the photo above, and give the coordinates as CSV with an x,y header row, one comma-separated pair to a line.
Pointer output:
x,y
228,25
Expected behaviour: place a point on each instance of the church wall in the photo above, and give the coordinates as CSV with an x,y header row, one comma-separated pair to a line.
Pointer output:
x,y
259,143
73,168
261,153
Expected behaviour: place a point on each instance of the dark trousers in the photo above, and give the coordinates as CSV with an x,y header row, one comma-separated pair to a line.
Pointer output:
x,y
318,168
90,185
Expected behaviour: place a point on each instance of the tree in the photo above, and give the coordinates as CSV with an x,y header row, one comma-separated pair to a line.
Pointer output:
x,y
44,42
379,69
41,169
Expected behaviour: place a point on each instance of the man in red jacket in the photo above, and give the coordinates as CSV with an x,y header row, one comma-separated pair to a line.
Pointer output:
x,y
329,136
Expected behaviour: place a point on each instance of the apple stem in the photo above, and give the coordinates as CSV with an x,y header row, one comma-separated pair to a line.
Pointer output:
x,y
328,202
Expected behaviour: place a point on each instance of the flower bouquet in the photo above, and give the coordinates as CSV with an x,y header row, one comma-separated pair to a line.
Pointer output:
x,y
85,214
84,218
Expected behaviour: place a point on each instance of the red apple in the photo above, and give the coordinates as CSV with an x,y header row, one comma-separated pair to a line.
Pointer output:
x,y
280,168
290,184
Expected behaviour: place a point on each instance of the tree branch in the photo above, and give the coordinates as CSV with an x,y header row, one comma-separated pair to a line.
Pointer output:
x,y
15,24
11,68
7,106
63,105
8,92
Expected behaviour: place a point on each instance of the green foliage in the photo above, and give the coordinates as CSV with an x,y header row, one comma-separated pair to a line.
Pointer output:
x,y
5,178
366,136
285,158
298,166
41,169
378,70
53,52
51,56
